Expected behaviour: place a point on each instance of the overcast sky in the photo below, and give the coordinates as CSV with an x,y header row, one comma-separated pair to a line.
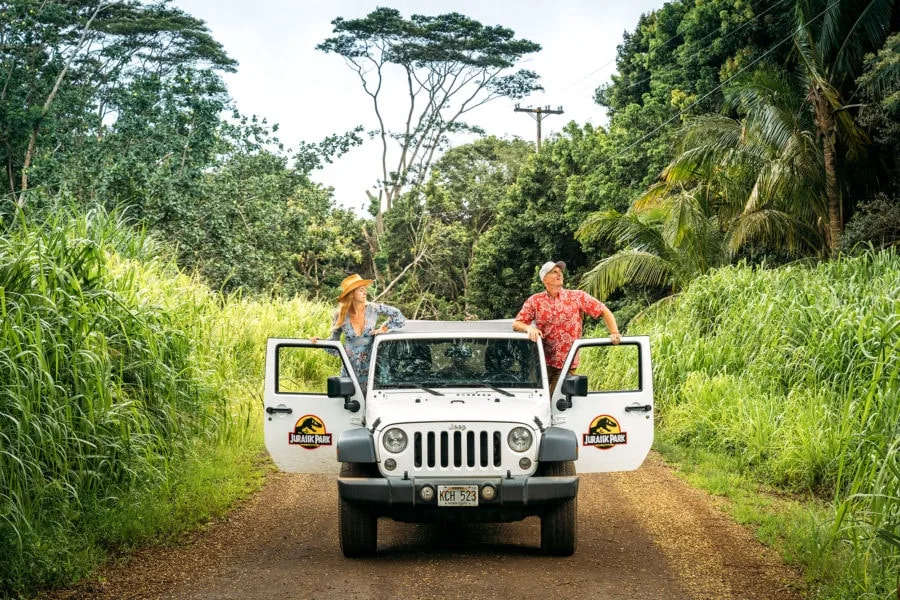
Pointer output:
x,y
310,94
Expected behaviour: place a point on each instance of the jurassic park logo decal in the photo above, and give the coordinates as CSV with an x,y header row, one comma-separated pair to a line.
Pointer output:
x,y
309,432
605,433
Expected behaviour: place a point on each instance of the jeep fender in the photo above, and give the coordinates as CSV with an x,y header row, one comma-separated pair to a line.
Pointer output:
x,y
357,446
557,444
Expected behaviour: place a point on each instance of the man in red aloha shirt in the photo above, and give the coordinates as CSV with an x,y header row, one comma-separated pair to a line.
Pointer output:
x,y
556,316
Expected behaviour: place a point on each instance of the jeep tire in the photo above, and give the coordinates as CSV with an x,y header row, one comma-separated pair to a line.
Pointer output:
x,y
358,526
559,525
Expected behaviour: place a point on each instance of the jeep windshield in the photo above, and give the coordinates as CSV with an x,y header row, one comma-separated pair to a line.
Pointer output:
x,y
457,362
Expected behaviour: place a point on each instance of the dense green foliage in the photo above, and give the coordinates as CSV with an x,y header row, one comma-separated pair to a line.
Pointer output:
x,y
137,122
753,166
100,392
121,106
794,373
532,223
669,69
434,238
68,67
126,395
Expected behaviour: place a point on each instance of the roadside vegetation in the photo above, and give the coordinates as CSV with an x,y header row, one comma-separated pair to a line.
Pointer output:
x,y
130,397
781,389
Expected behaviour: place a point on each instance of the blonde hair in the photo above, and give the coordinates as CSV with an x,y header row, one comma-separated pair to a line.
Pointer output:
x,y
340,315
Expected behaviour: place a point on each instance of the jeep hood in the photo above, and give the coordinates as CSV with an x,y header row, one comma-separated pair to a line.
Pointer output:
x,y
458,410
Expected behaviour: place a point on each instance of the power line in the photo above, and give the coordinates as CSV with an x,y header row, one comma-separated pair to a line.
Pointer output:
x,y
606,64
721,85
698,52
693,55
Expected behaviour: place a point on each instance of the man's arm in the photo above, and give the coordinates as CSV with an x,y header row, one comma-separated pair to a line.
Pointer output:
x,y
524,319
533,332
596,308
610,321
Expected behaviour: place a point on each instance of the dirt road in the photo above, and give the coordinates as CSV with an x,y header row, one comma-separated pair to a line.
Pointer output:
x,y
642,535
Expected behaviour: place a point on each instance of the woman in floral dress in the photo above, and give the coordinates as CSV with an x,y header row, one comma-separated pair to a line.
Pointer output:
x,y
357,320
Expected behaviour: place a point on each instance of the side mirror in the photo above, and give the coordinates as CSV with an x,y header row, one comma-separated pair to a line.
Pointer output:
x,y
573,385
342,387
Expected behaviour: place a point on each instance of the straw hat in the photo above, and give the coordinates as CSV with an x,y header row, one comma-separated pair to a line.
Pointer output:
x,y
352,282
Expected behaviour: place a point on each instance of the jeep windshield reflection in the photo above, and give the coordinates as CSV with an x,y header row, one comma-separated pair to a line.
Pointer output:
x,y
436,363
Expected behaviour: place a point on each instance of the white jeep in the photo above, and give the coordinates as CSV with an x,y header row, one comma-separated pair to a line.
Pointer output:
x,y
458,425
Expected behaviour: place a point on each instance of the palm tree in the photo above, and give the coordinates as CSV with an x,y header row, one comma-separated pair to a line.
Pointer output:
x,y
734,182
776,169
769,177
669,240
831,50
764,171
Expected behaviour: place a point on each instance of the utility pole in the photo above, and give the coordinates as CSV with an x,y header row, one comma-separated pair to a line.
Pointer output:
x,y
540,112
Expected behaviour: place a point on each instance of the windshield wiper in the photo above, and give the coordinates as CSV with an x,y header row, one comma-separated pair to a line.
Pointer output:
x,y
487,385
413,386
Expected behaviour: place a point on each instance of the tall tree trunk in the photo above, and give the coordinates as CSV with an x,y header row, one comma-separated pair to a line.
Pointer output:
x,y
32,140
835,218
29,153
372,242
825,125
10,171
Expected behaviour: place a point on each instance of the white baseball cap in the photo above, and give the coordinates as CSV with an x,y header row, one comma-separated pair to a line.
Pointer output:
x,y
548,266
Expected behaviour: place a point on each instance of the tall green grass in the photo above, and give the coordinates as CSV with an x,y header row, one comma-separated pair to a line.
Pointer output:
x,y
793,374
129,396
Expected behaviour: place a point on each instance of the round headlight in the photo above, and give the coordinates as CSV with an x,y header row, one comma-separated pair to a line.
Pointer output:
x,y
519,439
394,440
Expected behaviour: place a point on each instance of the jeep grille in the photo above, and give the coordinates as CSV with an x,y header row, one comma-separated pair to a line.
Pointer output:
x,y
457,449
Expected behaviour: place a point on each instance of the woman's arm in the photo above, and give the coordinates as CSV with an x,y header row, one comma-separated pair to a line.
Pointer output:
x,y
335,330
395,318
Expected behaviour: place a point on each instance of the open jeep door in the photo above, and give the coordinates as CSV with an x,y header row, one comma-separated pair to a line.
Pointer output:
x,y
613,422
302,424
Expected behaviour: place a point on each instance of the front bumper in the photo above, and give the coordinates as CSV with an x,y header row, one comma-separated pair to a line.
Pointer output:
x,y
512,492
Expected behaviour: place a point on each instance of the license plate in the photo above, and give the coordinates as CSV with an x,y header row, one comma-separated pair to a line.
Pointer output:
x,y
457,495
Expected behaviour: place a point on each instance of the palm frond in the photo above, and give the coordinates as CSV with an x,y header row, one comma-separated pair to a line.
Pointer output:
x,y
652,198
793,183
832,19
810,65
866,30
753,200
626,266
773,228
770,104
625,229
684,215
709,129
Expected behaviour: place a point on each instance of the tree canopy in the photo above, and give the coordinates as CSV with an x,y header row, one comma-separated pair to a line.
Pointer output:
x,y
736,130
121,105
445,65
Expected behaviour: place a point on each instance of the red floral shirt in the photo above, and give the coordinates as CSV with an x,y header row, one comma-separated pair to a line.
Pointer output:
x,y
559,320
